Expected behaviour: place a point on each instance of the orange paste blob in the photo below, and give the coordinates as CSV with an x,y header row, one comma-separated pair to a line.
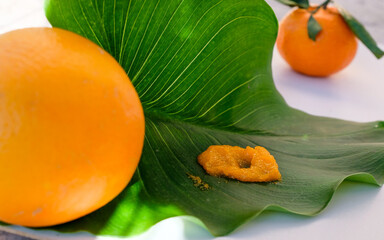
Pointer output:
x,y
246,165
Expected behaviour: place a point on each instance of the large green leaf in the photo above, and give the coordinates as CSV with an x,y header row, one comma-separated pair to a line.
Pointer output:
x,y
203,72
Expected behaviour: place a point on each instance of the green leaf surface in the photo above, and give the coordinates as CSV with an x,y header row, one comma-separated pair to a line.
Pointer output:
x,y
360,32
313,28
131,213
203,72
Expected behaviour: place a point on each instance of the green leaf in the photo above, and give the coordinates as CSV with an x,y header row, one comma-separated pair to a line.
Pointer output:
x,y
203,72
295,3
361,33
314,28
131,213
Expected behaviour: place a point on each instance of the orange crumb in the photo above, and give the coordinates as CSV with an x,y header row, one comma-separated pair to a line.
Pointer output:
x,y
197,182
246,165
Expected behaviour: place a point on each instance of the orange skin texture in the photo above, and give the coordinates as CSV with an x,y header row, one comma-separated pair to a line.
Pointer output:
x,y
334,48
71,127
246,165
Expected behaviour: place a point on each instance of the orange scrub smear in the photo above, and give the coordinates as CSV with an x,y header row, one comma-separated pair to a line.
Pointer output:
x,y
246,165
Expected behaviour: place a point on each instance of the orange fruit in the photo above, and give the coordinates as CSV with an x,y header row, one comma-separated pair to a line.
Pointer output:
x,y
334,48
71,127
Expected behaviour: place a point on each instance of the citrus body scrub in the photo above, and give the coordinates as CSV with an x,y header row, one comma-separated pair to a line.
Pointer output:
x,y
246,165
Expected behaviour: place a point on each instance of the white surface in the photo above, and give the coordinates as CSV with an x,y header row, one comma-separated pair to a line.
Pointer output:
x,y
356,94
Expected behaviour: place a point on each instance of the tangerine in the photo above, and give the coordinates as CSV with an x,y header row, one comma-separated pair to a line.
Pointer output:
x,y
71,127
334,48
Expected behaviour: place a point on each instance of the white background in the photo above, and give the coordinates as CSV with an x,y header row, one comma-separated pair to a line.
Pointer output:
x,y
357,93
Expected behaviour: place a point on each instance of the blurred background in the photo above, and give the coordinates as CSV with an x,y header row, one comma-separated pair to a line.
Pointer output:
x,y
368,12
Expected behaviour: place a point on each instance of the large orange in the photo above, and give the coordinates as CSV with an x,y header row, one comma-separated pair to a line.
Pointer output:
x,y
334,48
71,127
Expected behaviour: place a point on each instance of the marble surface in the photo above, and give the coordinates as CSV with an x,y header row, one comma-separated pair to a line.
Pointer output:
x,y
23,13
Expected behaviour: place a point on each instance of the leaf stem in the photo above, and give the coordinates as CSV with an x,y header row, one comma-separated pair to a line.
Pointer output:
x,y
324,5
